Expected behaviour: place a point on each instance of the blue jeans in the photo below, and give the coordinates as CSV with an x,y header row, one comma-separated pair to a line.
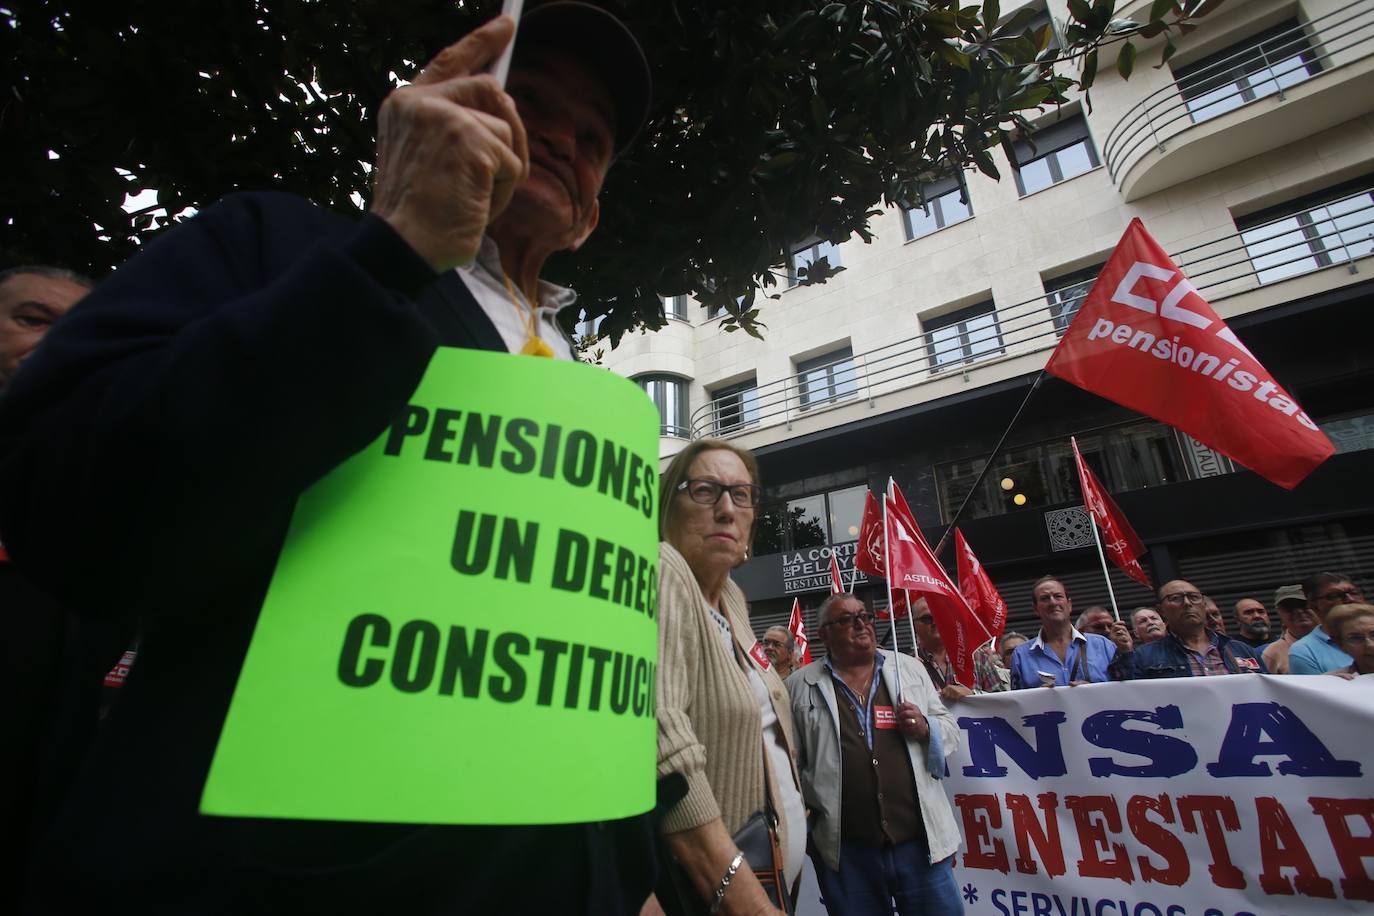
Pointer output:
x,y
870,880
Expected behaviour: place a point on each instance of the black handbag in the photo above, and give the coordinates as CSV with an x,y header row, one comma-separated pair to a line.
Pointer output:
x,y
758,840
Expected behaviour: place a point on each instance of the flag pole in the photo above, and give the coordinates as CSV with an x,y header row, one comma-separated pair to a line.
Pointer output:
x,y
996,450
911,623
891,610
1102,557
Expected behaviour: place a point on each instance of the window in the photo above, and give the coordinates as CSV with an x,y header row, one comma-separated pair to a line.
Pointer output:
x,y
1131,457
1065,294
825,518
1062,151
800,258
827,378
1259,66
962,337
669,395
735,407
675,307
1331,227
944,203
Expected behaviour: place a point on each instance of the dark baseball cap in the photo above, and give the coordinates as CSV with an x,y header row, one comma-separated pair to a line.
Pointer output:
x,y
596,37
1287,593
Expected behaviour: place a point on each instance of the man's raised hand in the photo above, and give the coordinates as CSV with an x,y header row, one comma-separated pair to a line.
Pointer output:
x,y
450,150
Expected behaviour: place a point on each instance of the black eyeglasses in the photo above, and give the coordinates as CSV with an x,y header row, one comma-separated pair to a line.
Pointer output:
x,y
1343,595
1183,597
863,618
707,492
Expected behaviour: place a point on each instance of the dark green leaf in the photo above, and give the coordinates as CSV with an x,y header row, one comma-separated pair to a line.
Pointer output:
x,y
992,11
1125,60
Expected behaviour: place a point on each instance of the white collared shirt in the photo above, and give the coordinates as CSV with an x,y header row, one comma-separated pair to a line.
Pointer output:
x,y
484,279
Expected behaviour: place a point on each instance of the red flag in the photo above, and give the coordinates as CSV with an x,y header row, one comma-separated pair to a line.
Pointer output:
x,y
798,631
1145,339
899,503
978,589
836,580
868,552
1119,540
914,568
899,605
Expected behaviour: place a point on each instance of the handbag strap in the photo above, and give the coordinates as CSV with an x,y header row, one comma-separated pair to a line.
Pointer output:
x,y
743,662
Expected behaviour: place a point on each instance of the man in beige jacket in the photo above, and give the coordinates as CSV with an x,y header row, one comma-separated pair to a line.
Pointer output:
x,y
870,753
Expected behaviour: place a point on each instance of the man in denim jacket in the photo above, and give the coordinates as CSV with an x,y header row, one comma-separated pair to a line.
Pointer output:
x,y
1189,649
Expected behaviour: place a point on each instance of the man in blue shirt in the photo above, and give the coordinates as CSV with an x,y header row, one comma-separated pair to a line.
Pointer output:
x,y
1061,655
1316,653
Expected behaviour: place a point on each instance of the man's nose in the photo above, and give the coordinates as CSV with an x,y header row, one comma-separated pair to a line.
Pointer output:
x,y
559,137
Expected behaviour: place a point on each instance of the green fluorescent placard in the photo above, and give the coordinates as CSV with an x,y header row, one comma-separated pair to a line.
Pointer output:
x,y
462,626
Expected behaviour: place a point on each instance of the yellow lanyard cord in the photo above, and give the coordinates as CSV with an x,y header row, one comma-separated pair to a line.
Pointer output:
x,y
534,345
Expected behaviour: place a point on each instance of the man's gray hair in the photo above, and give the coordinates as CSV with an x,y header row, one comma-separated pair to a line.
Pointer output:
x,y
47,270
830,602
790,642
1084,616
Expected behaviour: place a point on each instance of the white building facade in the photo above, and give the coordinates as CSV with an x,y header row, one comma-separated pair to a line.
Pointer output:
x,y
1249,157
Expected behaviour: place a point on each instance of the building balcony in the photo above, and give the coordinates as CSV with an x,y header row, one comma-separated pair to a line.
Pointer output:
x,y
1286,85
1280,260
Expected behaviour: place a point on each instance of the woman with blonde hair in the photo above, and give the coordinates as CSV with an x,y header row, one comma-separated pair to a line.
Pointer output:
x,y
725,725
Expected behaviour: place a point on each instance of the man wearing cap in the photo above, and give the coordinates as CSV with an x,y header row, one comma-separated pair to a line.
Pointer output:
x,y
152,450
1297,618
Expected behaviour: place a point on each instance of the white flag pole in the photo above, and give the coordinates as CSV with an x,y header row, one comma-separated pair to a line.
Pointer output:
x,y
891,611
1092,520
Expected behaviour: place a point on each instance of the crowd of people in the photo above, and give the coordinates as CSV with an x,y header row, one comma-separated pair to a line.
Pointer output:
x,y
152,449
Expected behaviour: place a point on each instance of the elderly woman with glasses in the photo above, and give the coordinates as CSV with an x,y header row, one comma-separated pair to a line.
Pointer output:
x,y
1352,628
724,721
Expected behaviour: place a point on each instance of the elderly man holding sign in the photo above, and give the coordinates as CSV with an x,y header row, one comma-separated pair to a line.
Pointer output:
x,y
397,599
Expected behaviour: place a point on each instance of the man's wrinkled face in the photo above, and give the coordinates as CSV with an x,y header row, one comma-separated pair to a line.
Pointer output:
x,y
926,634
1052,604
1183,607
1328,596
29,304
1008,647
1252,619
1098,621
775,647
1297,618
1215,621
1147,624
847,631
570,122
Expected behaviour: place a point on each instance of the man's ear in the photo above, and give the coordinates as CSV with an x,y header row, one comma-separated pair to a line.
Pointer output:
x,y
588,227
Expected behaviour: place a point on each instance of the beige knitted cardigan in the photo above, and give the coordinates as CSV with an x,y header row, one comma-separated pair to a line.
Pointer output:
x,y
709,728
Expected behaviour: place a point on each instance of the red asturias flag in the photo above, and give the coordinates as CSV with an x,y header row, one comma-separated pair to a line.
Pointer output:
x,y
868,552
836,580
1119,540
798,631
978,589
915,569
1145,339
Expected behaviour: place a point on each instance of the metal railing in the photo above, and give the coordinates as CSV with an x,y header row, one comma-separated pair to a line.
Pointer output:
x,y
1247,76
1334,234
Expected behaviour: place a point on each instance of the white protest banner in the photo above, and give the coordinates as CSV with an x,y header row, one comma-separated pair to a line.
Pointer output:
x,y
1218,796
